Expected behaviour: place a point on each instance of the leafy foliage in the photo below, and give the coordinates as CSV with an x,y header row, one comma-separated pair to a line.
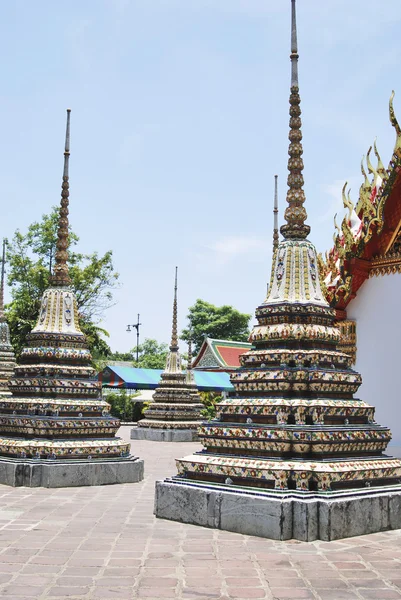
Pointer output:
x,y
122,406
123,356
152,354
219,322
31,259
209,399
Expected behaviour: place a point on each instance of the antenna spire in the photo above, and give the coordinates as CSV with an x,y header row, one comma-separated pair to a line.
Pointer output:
x,y
295,213
3,262
174,335
275,215
60,273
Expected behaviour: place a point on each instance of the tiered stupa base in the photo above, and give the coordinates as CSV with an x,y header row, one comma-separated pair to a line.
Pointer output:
x,y
67,462
280,514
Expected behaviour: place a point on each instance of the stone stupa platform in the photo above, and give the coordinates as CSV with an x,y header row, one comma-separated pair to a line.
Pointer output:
x,y
280,515
70,473
181,433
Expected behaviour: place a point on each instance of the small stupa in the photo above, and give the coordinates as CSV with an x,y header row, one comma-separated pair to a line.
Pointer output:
x,y
174,413
55,429
292,454
7,357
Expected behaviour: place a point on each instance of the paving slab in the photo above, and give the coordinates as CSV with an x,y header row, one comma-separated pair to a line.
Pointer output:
x,y
104,542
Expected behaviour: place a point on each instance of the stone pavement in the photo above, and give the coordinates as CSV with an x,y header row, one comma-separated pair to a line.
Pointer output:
x,y
103,543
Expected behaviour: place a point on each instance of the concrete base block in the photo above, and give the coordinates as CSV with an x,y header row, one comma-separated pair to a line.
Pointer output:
x,y
280,515
55,474
164,435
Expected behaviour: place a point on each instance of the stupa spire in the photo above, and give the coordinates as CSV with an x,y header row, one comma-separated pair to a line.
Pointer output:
x,y
3,261
60,273
175,413
174,335
275,215
295,213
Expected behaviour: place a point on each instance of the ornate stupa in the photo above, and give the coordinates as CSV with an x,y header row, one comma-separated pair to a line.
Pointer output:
x,y
292,453
55,429
7,357
174,414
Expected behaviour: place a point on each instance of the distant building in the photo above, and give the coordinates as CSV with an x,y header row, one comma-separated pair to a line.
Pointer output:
x,y
219,355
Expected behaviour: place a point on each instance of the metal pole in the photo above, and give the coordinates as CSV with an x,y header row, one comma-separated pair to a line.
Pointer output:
x,y
137,340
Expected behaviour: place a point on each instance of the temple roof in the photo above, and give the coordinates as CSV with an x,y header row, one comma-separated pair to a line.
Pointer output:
x,y
368,241
220,354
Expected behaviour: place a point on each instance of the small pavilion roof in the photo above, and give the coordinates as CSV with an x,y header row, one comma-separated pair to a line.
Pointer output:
x,y
220,354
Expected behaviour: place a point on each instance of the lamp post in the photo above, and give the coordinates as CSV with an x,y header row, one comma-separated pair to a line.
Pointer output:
x,y
137,324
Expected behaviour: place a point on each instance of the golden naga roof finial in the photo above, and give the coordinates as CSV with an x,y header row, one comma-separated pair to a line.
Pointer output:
x,y
394,122
60,274
345,225
371,168
295,213
380,167
366,184
338,234
347,199
364,204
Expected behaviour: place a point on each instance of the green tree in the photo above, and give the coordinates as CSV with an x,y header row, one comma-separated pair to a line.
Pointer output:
x,y
31,258
122,405
123,356
152,355
209,400
219,322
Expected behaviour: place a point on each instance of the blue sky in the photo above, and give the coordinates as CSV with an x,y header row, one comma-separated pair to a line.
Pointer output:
x,y
179,123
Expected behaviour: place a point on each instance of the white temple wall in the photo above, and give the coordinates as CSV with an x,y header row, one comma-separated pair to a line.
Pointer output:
x,y
377,312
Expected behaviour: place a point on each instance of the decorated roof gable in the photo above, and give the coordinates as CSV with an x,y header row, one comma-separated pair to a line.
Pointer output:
x,y
220,354
366,242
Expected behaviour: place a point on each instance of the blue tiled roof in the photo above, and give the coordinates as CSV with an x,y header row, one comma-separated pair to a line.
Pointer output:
x,y
148,379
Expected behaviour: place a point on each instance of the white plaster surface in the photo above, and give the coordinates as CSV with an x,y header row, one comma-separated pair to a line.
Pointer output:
x,y
377,311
